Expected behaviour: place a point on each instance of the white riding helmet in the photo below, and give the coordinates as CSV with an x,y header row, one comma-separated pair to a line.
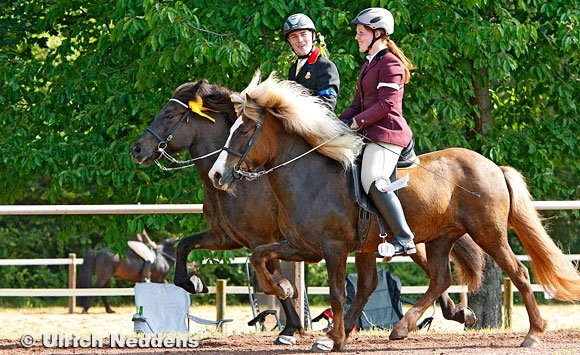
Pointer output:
x,y
298,22
376,18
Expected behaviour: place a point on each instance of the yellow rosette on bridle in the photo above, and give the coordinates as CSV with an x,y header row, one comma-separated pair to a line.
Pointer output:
x,y
197,107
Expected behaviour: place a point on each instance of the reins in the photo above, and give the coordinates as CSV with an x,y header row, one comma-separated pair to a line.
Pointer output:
x,y
250,176
241,174
176,161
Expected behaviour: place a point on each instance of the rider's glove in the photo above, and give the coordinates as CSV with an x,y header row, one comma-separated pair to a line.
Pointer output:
x,y
350,122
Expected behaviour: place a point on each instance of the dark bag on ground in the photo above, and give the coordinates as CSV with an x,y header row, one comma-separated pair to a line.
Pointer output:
x,y
384,307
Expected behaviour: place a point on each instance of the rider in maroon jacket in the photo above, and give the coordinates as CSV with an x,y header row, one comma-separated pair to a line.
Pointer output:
x,y
377,111
316,72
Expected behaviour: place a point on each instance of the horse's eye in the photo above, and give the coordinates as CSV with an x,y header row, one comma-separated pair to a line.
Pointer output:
x,y
245,129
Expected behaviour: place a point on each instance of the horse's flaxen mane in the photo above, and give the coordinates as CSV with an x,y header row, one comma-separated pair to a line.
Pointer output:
x,y
215,97
300,113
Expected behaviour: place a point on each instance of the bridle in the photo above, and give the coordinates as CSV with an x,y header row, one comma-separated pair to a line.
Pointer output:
x,y
164,141
241,174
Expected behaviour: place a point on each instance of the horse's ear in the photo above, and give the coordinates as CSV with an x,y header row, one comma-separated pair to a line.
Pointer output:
x,y
248,97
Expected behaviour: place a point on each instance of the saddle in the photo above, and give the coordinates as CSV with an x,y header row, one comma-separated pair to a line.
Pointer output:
x,y
366,205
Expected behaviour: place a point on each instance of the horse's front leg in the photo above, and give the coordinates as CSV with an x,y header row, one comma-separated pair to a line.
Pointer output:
x,y
206,240
293,322
336,270
439,280
366,267
281,288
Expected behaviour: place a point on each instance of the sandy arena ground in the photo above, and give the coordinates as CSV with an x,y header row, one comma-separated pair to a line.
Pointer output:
x,y
444,337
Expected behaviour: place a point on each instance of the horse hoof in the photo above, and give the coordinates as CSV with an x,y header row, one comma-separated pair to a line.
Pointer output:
x,y
285,340
288,289
322,345
469,316
110,311
197,283
397,334
531,341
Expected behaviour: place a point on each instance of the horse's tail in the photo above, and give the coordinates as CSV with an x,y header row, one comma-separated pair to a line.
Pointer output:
x,y
551,268
85,275
469,261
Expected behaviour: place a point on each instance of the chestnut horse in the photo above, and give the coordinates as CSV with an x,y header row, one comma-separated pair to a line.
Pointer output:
x,y
232,224
451,192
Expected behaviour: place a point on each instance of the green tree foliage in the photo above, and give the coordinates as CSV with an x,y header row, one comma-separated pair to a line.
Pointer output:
x,y
83,79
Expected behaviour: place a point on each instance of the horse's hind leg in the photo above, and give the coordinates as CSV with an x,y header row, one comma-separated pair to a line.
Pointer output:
x,y
104,284
459,313
439,280
501,253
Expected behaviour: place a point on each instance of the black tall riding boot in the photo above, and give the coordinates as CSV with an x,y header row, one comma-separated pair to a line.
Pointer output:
x,y
147,271
391,210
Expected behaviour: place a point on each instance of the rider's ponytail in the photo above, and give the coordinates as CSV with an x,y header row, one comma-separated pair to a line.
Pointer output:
x,y
399,54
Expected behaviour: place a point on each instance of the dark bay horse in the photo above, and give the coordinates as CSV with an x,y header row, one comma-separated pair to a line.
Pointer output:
x,y
107,265
452,192
232,224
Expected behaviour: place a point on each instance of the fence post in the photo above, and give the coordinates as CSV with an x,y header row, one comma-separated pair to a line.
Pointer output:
x,y
72,281
508,302
220,300
299,282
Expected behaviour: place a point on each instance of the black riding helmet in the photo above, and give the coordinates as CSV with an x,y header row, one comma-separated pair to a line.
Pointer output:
x,y
300,22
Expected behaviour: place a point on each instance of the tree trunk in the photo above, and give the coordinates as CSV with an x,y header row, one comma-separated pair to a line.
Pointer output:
x,y
487,302
483,121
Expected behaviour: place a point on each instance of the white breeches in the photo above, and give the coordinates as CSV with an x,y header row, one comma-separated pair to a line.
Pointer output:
x,y
378,164
142,250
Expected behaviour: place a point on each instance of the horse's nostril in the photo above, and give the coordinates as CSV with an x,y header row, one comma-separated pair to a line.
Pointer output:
x,y
136,149
217,177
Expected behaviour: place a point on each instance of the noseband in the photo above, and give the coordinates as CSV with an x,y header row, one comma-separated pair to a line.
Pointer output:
x,y
239,172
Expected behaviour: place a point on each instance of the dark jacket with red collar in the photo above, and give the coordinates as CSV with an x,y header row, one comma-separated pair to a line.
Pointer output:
x,y
377,106
320,76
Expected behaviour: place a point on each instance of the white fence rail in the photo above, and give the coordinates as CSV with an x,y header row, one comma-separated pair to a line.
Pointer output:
x,y
69,292
175,209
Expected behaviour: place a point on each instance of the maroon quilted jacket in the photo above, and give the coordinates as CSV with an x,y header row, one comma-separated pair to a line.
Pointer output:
x,y
378,101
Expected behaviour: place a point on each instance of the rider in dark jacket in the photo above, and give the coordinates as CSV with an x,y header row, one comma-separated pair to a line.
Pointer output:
x,y
315,71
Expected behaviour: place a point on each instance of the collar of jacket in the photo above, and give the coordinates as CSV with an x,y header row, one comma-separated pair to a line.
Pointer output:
x,y
314,55
380,54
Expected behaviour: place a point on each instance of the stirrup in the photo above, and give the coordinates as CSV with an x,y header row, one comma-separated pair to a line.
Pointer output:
x,y
405,249
386,249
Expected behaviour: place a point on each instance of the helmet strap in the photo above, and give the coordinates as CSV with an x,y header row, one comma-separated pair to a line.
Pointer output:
x,y
306,55
373,42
